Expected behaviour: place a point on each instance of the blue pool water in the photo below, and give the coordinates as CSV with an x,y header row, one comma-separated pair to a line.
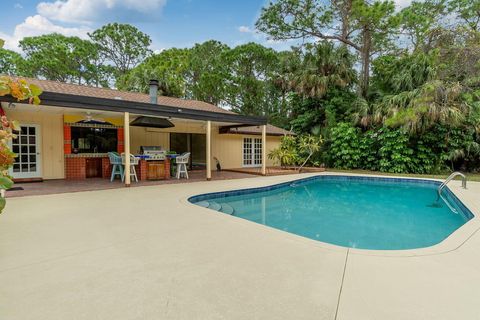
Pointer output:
x,y
356,212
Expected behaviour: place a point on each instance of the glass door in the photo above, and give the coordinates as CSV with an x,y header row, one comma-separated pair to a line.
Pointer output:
x,y
252,152
27,147
195,143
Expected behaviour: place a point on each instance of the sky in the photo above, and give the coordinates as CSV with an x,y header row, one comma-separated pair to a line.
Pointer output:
x,y
170,23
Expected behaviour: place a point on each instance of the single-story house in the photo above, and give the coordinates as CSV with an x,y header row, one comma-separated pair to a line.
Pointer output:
x,y
70,133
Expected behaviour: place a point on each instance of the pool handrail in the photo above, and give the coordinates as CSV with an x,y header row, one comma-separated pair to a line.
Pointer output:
x,y
450,178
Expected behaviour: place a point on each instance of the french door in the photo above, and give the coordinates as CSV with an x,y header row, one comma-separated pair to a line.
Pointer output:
x,y
252,152
27,147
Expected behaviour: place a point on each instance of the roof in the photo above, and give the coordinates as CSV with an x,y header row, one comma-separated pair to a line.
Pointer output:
x,y
271,130
57,91
107,93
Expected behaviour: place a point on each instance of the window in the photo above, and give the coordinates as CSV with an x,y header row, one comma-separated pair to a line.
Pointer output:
x,y
252,152
92,140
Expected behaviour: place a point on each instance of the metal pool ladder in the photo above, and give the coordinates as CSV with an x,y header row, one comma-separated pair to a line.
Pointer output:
x,y
444,184
450,178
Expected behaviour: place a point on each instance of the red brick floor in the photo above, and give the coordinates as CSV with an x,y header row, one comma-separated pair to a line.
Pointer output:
x,y
64,186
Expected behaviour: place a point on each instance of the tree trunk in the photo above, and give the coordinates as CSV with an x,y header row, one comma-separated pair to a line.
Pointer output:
x,y
345,13
365,55
305,162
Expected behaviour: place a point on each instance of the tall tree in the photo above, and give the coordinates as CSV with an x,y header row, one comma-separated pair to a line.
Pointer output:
x,y
122,45
468,11
206,72
317,68
420,20
169,67
10,62
322,77
58,57
364,26
250,79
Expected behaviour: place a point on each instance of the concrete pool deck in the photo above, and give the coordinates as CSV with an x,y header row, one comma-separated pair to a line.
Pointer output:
x,y
145,253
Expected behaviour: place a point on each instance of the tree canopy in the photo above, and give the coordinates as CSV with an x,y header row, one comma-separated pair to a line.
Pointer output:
x,y
123,45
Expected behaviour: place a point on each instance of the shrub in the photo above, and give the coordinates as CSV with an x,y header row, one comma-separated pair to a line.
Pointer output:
x,y
345,152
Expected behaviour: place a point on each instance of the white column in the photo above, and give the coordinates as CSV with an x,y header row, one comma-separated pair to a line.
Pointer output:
x,y
209,150
264,150
126,143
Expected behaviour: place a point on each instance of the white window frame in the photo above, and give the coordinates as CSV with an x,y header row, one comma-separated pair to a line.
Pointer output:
x,y
251,152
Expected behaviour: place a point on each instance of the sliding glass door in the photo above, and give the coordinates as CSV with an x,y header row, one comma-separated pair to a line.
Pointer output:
x,y
194,143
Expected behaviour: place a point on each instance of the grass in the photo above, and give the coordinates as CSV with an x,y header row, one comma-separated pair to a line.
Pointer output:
x,y
470,176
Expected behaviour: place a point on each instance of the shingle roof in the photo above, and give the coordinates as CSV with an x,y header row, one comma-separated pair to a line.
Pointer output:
x,y
106,93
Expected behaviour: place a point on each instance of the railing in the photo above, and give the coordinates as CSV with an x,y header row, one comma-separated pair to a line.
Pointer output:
x,y
450,178
444,184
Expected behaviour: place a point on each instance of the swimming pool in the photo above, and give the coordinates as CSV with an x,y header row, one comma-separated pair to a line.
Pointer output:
x,y
357,212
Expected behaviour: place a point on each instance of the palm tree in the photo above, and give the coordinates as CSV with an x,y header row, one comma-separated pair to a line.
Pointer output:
x,y
417,110
311,71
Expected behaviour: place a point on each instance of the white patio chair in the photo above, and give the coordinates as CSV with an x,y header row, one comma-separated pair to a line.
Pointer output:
x,y
133,162
182,162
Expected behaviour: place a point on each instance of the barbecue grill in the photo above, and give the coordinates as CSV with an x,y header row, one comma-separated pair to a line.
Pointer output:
x,y
153,153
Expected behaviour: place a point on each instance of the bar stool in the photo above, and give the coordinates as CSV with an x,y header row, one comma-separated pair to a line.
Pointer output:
x,y
133,162
117,167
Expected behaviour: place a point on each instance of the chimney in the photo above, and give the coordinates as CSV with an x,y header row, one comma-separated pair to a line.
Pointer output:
x,y
153,91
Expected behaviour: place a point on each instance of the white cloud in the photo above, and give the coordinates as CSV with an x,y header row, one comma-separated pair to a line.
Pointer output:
x,y
245,29
36,26
18,6
90,11
83,14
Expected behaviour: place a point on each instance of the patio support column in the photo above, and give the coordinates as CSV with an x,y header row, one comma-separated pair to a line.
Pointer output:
x,y
209,150
264,150
126,143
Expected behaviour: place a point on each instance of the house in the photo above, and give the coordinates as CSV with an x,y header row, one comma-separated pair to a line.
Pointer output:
x,y
69,134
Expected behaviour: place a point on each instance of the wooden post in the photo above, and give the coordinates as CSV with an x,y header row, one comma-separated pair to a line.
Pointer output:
x,y
209,150
126,143
264,150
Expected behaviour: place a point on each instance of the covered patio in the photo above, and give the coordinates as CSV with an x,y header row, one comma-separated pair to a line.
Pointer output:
x,y
49,148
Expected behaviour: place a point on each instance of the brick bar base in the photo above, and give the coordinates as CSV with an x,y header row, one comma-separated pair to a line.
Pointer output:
x,y
106,168
75,168
167,168
141,170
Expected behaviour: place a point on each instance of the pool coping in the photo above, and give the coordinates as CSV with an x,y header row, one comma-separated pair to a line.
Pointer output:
x,y
454,241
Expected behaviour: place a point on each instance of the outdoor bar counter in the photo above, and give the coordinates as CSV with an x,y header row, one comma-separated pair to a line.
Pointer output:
x,y
97,165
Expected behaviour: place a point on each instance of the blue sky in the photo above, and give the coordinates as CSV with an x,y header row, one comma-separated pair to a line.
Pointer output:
x,y
170,23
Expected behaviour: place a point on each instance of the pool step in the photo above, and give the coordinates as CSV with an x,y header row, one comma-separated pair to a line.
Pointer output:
x,y
204,204
214,206
225,208
228,209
